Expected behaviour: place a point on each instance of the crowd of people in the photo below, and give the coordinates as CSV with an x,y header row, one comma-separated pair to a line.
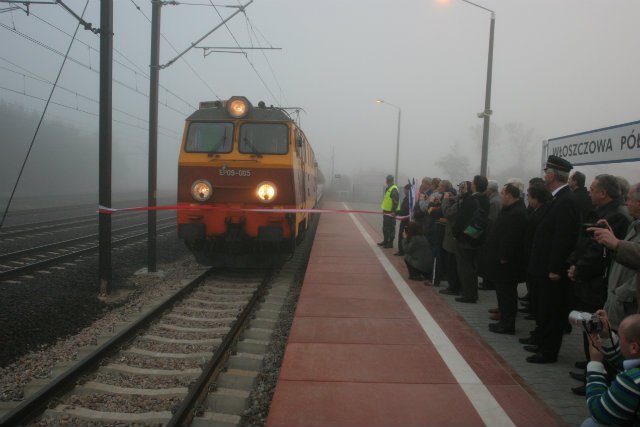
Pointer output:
x,y
575,248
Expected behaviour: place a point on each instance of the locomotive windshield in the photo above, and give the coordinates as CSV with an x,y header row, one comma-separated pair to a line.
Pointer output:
x,y
264,138
209,138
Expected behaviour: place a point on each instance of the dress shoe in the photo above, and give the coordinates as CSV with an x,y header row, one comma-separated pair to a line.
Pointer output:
x,y
581,364
541,358
428,283
500,329
528,341
399,254
448,291
381,243
388,246
493,310
579,376
581,390
466,300
495,316
531,348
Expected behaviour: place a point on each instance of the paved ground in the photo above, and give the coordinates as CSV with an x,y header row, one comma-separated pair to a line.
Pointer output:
x,y
551,382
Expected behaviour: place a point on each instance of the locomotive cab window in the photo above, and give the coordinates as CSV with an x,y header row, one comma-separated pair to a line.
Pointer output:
x,y
264,138
209,138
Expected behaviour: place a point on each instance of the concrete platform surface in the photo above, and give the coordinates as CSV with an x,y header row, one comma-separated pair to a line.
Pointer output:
x,y
370,348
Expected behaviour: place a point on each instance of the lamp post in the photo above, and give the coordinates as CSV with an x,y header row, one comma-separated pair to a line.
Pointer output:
x,y
381,101
486,113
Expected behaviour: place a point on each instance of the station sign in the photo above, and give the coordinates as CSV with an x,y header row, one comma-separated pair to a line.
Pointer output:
x,y
614,144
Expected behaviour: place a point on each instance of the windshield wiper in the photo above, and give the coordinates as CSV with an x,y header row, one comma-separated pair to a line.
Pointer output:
x,y
249,144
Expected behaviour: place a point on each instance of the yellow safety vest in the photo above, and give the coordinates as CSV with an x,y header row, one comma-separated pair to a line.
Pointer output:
x,y
387,201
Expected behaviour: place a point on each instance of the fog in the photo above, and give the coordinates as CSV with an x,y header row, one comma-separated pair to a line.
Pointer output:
x,y
559,68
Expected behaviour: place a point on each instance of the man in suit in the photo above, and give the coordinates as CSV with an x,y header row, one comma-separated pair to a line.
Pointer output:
x,y
468,247
553,242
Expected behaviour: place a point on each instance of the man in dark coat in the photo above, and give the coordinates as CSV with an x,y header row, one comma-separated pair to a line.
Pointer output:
x,y
553,242
539,198
577,185
467,247
505,249
590,261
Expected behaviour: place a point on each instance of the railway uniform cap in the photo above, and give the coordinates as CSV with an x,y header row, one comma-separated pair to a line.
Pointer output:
x,y
558,163
389,177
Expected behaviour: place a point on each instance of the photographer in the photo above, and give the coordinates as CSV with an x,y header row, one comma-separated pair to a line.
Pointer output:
x,y
589,260
622,298
616,403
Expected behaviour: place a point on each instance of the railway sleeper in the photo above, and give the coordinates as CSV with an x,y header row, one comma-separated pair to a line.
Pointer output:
x,y
66,411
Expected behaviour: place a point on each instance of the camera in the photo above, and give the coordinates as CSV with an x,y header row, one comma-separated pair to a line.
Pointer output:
x,y
590,322
587,225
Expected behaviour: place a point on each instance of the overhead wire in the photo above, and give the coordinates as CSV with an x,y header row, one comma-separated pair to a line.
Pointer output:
x,y
173,134
33,140
251,26
176,51
135,68
90,68
246,56
41,79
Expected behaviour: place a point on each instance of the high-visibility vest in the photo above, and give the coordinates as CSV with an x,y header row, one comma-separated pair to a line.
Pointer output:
x,y
387,201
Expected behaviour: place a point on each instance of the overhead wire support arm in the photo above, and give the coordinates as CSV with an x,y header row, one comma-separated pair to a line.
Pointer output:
x,y
25,3
194,44
208,50
85,24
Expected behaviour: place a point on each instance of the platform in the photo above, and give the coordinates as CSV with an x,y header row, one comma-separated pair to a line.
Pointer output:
x,y
368,348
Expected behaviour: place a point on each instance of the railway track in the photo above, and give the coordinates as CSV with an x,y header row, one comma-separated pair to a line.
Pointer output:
x,y
58,225
160,368
20,262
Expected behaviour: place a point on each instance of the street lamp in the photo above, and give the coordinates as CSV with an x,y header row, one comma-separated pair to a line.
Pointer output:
x,y
381,101
486,113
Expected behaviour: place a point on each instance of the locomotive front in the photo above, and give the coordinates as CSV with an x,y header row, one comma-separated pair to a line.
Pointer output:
x,y
235,157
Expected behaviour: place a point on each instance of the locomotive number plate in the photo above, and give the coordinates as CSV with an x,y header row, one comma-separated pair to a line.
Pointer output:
x,y
235,172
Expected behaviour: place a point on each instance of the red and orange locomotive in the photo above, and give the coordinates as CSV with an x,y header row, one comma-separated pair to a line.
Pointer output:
x,y
233,157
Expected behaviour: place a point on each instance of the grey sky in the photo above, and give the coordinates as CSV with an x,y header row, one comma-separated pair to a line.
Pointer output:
x,y
560,67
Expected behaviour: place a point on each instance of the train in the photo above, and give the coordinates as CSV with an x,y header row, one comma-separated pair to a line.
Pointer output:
x,y
237,158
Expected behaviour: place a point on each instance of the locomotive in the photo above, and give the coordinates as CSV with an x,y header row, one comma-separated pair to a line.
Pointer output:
x,y
242,171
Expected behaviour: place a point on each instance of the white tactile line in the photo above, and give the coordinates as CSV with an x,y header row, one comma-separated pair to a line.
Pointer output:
x,y
485,404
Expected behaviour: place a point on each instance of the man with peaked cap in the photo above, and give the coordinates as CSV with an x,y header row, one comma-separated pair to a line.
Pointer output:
x,y
389,207
553,242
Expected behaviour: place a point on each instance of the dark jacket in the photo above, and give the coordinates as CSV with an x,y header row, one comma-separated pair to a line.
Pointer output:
x,y
468,206
556,236
417,251
534,218
592,260
584,202
505,245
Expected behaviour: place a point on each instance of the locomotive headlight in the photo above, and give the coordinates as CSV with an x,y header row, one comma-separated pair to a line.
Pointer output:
x,y
201,190
238,107
266,192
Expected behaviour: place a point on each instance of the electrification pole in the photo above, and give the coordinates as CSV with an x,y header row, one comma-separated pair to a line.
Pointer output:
x,y
154,81
105,124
